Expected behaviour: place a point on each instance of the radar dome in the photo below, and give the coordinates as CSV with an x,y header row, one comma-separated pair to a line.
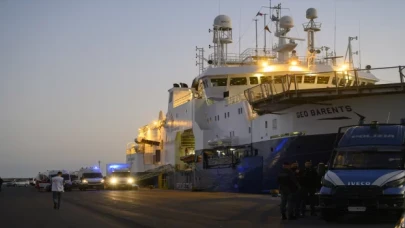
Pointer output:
x,y
286,22
223,21
312,13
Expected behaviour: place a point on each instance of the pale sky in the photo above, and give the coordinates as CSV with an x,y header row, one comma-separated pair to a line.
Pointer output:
x,y
78,78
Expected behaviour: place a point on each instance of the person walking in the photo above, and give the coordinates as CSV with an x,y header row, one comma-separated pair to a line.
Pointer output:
x,y
57,189
1,183
309,183
288,187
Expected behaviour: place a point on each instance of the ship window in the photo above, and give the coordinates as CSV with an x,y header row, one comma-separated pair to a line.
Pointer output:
x,y
254,80
218,82
265,124
309,79
250,130
323,79
170,96
278,79
238,81
369,84
342,82
334,81
228,114
266,79
299,79
205,83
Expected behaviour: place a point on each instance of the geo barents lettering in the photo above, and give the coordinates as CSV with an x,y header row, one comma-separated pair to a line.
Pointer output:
x,y
324,111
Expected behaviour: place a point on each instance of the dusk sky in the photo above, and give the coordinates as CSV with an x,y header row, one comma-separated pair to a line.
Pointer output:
x,y
78,78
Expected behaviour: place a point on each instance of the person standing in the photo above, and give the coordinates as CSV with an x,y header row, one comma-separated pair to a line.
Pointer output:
x,y
309,183
57,189
297,196
288,187
1,183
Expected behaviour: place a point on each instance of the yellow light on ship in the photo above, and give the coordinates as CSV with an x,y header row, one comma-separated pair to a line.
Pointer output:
x,y
343,67
258,75
295,68
294,63
268,69
130,180
265,63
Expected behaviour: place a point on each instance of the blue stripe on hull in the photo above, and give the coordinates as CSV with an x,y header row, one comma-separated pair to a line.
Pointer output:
x,y
259,173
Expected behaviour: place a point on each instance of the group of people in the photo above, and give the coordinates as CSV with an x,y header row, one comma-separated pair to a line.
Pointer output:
x,y
297,188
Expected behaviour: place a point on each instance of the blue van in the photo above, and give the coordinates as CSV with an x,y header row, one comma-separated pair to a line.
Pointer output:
x,y
366,171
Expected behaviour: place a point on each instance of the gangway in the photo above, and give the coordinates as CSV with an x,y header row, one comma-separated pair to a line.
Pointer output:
x,y
155,172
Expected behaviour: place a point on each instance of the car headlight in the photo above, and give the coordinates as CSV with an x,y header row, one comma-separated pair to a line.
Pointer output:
x,y
102,180
113,180
85,181
395,184
131,180
327,183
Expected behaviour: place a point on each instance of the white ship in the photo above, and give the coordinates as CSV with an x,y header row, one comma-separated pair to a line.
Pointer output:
x,y
244,115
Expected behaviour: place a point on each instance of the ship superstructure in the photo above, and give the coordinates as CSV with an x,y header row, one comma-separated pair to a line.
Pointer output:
x,y
243,115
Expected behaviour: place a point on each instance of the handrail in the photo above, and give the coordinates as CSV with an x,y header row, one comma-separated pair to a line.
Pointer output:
x,y
269,89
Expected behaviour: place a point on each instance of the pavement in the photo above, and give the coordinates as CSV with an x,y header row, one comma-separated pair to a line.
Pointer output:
x,y
25,207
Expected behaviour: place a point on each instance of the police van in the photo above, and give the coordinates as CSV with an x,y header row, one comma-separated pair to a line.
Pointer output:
x,y
90,178
366,171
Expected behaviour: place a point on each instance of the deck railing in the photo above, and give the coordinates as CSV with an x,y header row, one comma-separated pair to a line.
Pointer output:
x,y
271,88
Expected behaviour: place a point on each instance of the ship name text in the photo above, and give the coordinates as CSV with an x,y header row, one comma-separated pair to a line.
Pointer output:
x,y
324,111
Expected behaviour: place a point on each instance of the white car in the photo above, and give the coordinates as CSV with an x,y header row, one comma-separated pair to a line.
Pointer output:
x,y
22,183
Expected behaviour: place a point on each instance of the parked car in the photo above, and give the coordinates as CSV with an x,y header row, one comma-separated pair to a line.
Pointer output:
x,y
10,183
22,183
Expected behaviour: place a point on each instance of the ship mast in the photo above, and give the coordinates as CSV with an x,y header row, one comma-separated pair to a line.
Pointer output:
x,y
311,27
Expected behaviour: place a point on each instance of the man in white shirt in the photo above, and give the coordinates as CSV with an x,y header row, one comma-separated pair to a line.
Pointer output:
x,y
57,189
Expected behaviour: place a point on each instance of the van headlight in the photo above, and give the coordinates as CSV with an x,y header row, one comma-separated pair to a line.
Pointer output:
x,y
395,184
131,180
85,181
113,181
102,180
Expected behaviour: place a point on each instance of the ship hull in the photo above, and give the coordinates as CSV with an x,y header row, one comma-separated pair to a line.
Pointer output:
x,y
257,171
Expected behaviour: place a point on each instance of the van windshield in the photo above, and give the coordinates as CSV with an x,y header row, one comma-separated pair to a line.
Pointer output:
x,y
368,160
92,175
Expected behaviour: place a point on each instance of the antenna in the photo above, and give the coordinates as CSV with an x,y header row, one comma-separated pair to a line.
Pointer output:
x,y
359,47
256,34
334,35
240,20
264,33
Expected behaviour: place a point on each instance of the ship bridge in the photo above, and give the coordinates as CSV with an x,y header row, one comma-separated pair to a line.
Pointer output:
x,y
285,92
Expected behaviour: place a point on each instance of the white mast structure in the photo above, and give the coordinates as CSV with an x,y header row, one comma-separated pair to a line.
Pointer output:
x,y
311,27
283,26
222,36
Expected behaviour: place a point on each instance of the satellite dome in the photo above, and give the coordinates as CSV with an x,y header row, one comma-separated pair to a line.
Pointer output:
x,y
312,13
223,21
286,22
